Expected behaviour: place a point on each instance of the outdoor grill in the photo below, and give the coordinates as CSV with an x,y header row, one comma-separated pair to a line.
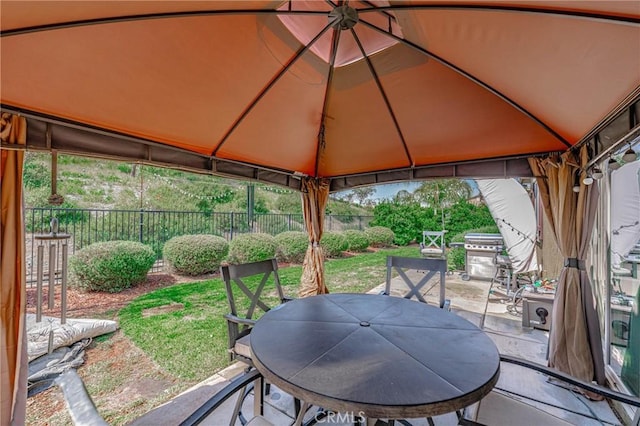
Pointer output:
x,y
481,251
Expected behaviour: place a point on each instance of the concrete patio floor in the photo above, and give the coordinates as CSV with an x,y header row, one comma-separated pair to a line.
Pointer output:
x,y
474,300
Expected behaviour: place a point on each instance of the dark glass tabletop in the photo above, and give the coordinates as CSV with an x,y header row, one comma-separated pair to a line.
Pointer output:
x,y
381,356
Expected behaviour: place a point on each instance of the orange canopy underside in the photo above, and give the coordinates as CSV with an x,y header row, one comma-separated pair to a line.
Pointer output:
x,y
449,84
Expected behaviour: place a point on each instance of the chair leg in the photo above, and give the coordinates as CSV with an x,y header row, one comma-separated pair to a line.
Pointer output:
x,y
296,406
237,410
300,416
258,397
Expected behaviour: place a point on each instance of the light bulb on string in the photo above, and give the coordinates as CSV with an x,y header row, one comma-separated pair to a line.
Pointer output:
x,y
613,164
596,173
629,156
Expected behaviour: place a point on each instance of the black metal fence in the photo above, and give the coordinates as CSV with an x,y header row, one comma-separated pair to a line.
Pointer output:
x,y
154,228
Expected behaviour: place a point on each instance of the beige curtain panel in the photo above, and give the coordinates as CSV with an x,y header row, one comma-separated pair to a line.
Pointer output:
x,y
315,194
574,339
13,344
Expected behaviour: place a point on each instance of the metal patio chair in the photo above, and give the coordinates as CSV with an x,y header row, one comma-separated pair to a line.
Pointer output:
x,y
245,302
427,267
500,407
238,386
433,244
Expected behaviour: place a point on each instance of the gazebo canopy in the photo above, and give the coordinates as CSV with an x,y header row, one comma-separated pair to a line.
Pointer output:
x,y
358,92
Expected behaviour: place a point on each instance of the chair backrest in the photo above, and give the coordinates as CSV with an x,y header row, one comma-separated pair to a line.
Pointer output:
x,y
433,244
423,270
233,276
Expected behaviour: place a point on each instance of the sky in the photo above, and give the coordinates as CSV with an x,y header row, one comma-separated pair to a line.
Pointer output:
x,y
391,189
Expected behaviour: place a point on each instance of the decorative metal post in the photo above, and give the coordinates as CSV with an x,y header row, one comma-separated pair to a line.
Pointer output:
x,y
57,244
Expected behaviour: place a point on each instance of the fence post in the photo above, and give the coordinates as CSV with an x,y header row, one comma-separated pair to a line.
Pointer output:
x,y
231,230
141,232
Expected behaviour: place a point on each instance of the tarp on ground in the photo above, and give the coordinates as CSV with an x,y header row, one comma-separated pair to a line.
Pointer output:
x,y
63,334
67,342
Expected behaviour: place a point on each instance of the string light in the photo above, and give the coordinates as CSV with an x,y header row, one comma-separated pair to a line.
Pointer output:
x,y
168,181
629,156
513,229
613,164
216,198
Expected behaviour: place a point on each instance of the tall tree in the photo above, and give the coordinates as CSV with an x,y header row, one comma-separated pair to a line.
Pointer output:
x,y
404,197
440,193
363,193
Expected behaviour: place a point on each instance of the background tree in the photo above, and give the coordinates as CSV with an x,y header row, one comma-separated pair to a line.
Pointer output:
x,y
439,193
403,197
362,194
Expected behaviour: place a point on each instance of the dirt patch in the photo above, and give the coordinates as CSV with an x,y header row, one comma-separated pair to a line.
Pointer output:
x,y
122,380
87,304
164,309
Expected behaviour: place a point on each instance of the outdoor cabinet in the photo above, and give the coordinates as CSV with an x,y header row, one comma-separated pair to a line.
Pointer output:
x,y
536,311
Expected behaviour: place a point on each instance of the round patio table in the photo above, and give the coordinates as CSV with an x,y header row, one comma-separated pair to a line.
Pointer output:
x,y
375,356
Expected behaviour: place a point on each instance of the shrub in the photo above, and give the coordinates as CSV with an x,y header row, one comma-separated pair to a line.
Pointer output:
x,y
334,243
110,266
407,221
465,217
380,236
292,246
357,240
195,254
246,248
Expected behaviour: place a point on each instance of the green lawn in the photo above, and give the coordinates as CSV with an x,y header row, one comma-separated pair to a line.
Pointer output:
x,y
190,342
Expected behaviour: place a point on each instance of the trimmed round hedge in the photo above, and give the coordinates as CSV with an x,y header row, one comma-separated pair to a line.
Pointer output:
x,y
292,246
357,240
253,247
380,236
333,243
195,254
110,266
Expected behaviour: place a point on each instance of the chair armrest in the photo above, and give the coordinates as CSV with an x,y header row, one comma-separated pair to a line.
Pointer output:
x,y
287,299
238,320
600,390
214,402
